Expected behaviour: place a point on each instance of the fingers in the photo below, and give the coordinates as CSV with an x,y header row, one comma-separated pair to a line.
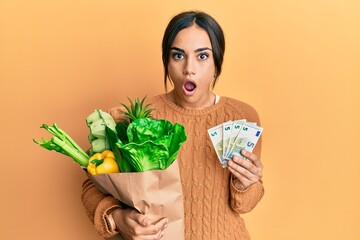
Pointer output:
x,y
246,171
136,226
140,218
146,229
254,159
252,162
239,171
162,224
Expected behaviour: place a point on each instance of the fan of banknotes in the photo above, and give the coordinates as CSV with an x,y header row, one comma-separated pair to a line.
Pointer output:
x,y
229,138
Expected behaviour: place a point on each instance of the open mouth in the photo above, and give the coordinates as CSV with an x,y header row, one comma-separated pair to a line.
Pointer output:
x,y
189,86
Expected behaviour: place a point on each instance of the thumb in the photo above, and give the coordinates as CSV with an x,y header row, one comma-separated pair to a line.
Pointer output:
x,y
141,219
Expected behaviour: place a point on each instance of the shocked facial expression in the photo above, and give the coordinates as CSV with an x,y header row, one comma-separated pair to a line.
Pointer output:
x,y
192,68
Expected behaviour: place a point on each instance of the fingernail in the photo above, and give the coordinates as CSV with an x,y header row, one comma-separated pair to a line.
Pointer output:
x,y
161,234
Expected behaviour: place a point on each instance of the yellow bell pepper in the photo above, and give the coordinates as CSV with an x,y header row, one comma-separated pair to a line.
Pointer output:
x,y
103,162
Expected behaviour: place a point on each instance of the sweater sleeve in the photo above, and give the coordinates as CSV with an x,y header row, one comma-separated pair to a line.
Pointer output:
x,y
96,206
244,201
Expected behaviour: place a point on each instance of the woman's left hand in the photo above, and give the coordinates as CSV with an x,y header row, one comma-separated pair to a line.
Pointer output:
x,y
245,172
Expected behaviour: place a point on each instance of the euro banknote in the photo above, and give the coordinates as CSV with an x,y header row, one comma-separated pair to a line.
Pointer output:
x,y
216,136
227,129
229,138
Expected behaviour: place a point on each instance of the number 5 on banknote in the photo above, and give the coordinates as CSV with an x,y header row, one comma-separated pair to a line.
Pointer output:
x,y
216,136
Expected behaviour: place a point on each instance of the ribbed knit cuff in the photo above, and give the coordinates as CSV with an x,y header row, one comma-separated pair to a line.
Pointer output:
x,y
243,201
106,205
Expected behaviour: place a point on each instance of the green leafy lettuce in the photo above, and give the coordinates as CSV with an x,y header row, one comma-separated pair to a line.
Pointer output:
x,y
149,144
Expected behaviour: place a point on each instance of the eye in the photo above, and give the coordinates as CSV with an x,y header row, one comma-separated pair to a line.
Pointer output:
x,y
203,56
177,56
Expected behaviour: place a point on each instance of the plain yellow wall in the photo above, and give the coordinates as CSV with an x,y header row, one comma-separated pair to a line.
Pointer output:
x,y
296,61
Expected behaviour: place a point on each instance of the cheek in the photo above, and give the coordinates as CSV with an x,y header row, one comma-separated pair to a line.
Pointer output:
x,y
209,66
171,68
209,72
175,71
208,76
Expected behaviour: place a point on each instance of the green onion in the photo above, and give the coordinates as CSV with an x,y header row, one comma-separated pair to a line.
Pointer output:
x,y
61,142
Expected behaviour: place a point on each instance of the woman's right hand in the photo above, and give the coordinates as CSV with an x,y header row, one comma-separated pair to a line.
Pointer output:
x,y
135,226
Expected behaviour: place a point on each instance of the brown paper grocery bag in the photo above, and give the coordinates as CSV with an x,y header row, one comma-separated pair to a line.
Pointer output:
x,y
156,193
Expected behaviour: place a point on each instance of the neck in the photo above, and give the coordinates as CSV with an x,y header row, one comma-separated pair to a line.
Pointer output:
x,y
205,101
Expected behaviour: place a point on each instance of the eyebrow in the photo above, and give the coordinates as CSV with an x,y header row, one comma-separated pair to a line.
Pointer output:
x,y
197,50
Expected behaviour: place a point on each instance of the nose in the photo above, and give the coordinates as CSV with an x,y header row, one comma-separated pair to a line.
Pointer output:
x,y
189,67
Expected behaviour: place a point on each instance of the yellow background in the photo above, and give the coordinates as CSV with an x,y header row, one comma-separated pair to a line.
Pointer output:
x,y
296,61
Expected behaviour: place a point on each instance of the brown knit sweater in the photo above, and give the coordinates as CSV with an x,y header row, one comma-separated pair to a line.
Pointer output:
x,y
212,204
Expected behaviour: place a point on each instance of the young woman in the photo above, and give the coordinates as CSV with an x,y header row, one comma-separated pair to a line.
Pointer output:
x,y
214,197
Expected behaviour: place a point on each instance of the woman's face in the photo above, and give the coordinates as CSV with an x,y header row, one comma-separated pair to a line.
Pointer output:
x,y
191,68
